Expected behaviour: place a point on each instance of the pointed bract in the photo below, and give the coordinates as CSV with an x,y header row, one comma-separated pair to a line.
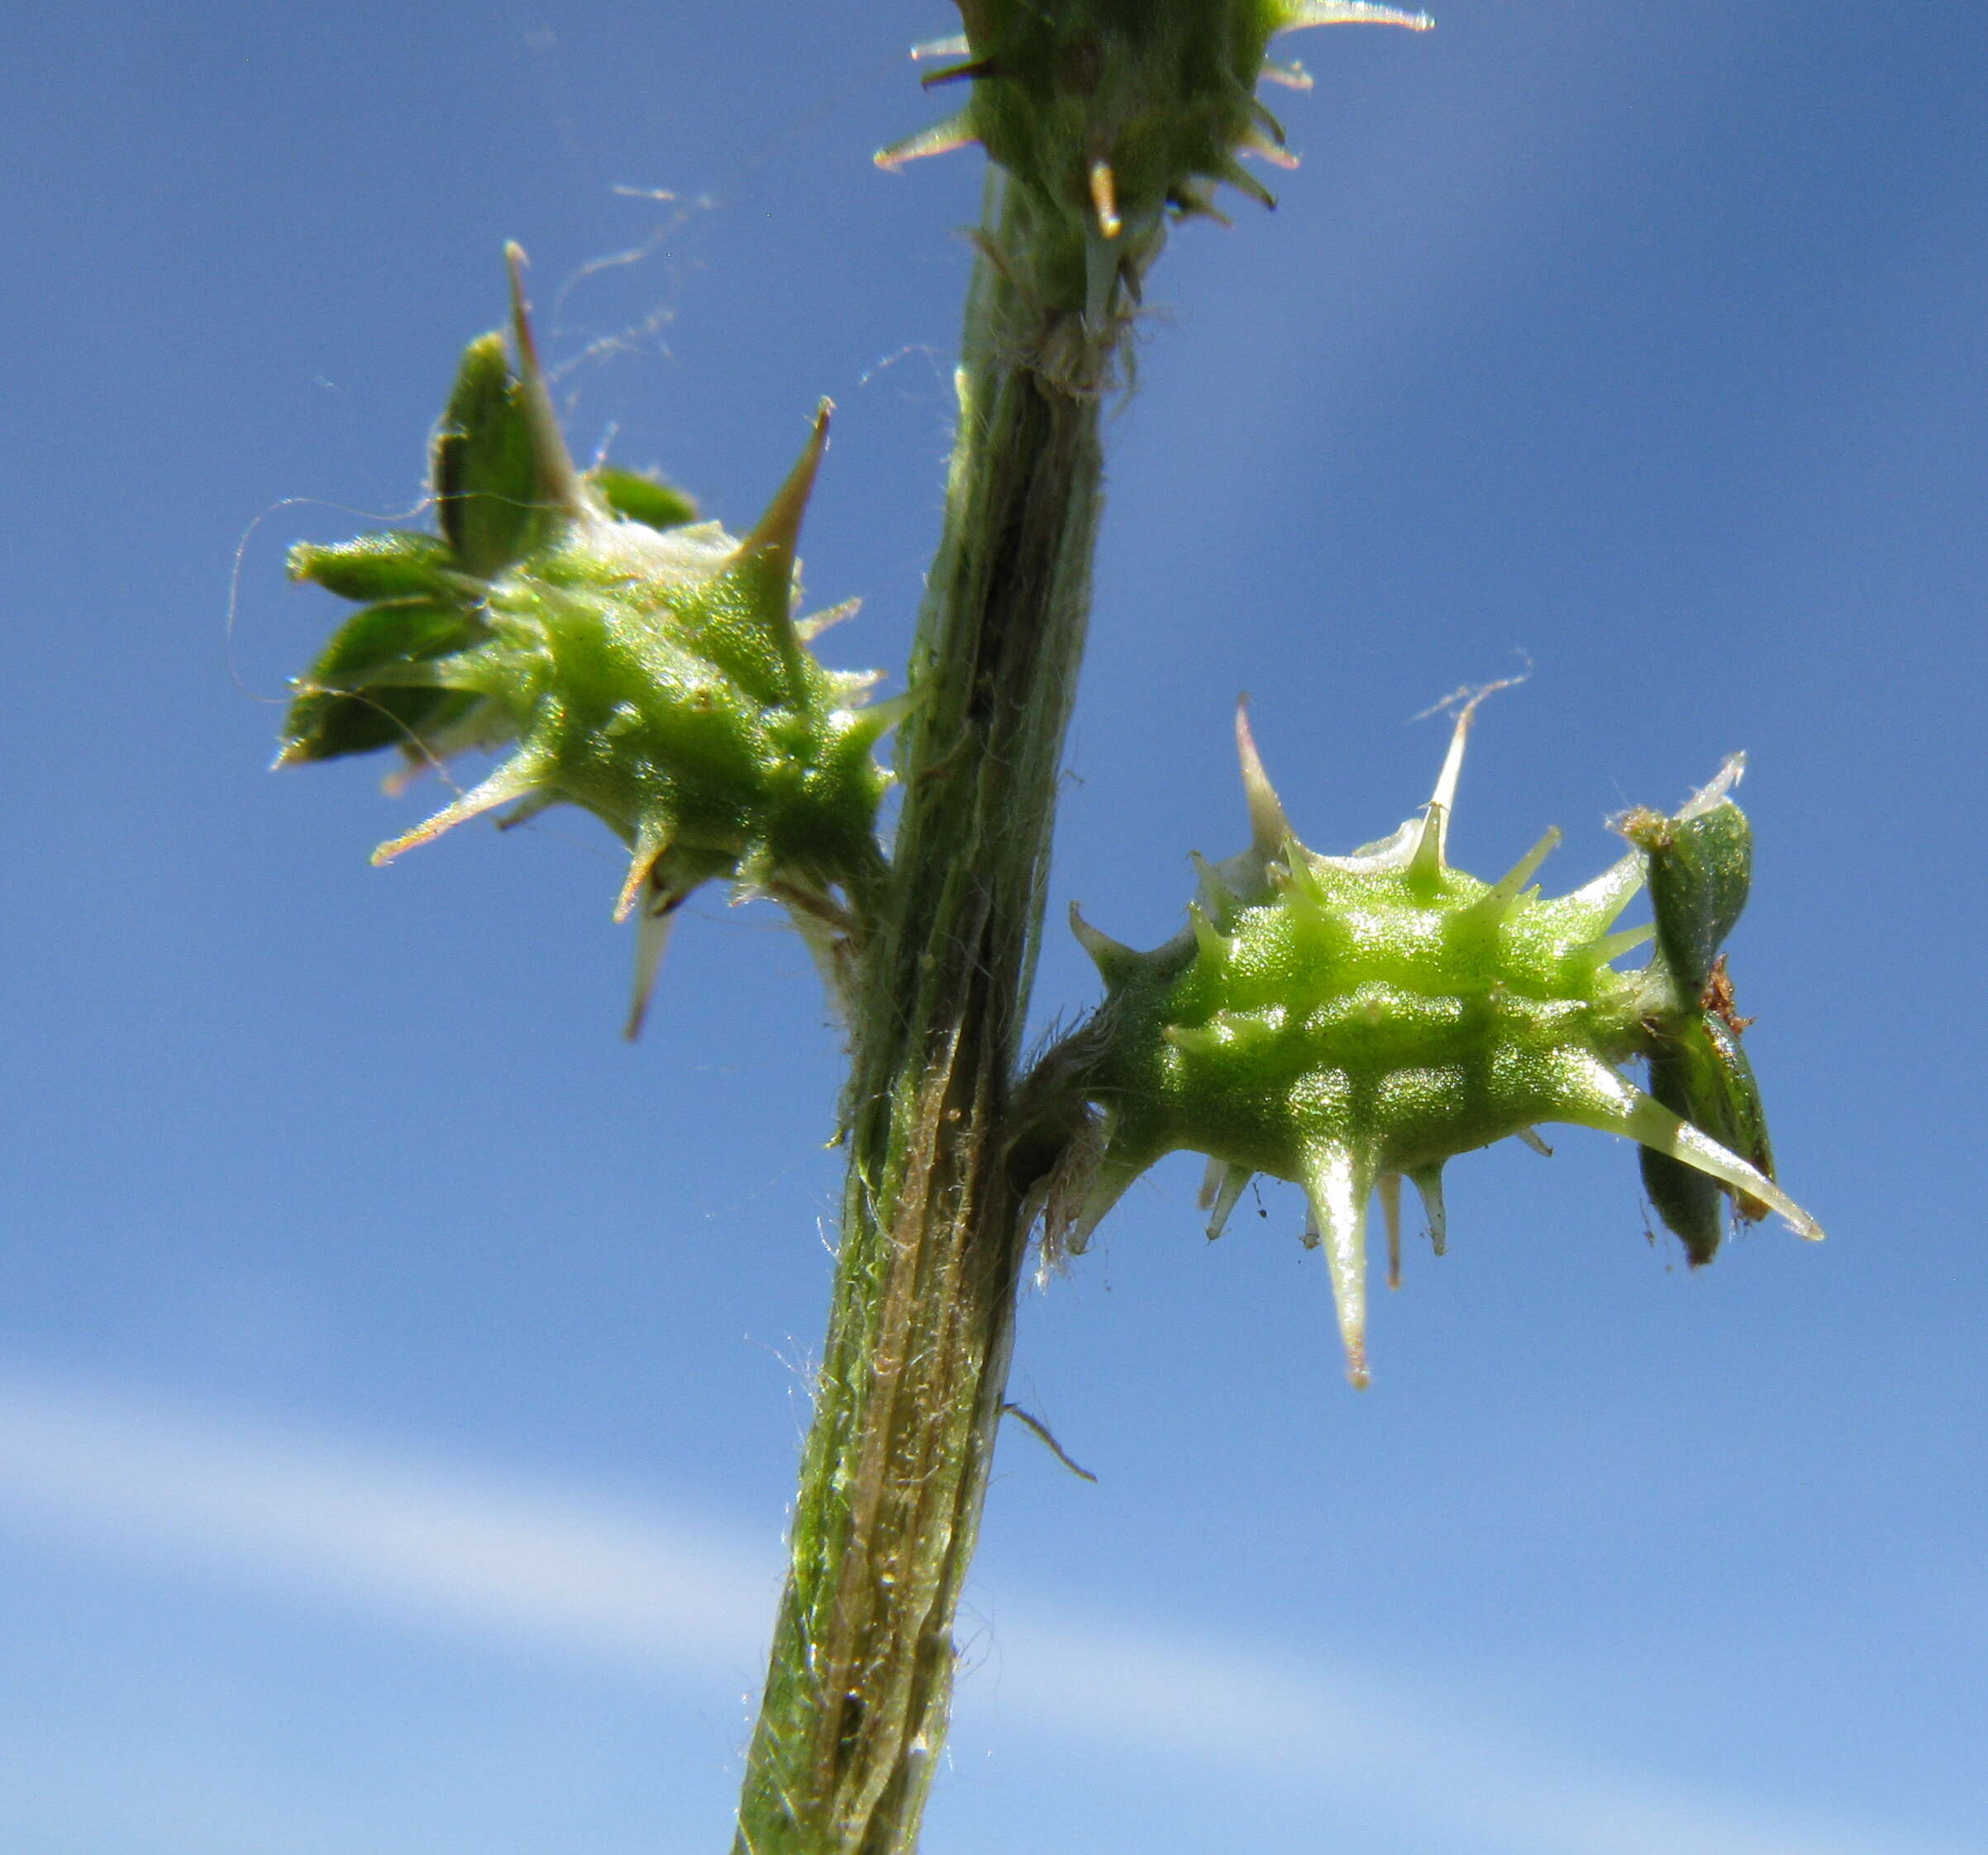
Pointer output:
x,y
557,482
1114,959
1601,950
1507,888
1269,828
1244,182
777,533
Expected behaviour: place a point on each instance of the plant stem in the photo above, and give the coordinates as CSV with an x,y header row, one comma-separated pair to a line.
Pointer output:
x,y
935,1222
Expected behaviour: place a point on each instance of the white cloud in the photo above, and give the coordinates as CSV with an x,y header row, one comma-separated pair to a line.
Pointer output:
x,y
1407,1759
417,1538
423,1542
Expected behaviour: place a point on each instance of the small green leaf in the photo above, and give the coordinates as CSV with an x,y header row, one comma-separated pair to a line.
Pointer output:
x,y
345,704
638,496
1700,868
483,470
397,564
1702,1073
1691,1204
1740,1120
323,726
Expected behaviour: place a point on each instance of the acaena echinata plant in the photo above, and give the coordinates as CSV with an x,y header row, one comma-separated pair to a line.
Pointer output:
x,y
1345,1022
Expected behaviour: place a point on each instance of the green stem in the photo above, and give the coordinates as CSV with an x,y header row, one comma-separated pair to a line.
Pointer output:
x,y
935,1223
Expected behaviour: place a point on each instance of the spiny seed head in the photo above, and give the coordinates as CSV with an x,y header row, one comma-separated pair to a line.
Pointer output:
x,y
637,662
1345,1022
1114,115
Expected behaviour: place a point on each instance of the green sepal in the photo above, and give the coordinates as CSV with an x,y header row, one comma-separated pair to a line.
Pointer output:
x,y
352,701
638,496
483,467
1740,1118
1691,1205
1700,866
396,564
1703,1074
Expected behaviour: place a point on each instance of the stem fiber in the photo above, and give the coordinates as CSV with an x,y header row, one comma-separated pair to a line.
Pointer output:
x,y
934,1228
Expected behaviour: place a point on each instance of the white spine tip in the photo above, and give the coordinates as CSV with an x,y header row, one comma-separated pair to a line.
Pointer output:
x,y
1390,1206
559,483
1337,1185
1269,828
1721,788
778,532
514,779
1428,1182
1104,199
1523,871
651,936
942,138
1220,1190
1304,13
1108,954
1265,150
1606,1101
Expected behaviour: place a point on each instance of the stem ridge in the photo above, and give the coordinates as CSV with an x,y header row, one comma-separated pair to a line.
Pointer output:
x,y
935,1229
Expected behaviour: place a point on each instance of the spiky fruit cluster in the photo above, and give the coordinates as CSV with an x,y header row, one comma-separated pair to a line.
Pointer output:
x,y
1112,115
639,663
1345,1022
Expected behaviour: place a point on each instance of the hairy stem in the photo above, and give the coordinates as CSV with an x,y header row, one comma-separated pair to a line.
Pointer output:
x,y
934,1225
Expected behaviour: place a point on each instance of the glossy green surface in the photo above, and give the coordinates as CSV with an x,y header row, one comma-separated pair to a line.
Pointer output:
x,y
1113,115
1345,1022
638,663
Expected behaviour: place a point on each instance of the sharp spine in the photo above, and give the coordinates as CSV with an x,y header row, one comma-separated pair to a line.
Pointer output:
x,y
1104,198
1428,1182
941,138
515,779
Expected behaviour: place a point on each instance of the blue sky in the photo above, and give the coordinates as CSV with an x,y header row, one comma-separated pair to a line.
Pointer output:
x,y
400,1377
